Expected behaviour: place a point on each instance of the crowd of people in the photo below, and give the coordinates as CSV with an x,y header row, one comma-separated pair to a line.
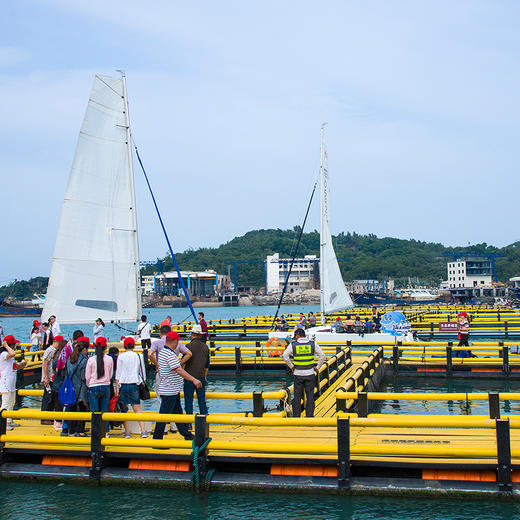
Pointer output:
x,y
352,325
80,376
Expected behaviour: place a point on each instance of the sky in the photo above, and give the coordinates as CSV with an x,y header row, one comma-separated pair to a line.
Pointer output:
x,y
226,103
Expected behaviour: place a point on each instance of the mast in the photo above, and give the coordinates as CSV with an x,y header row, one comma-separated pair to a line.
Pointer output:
x,y
322,223
132,191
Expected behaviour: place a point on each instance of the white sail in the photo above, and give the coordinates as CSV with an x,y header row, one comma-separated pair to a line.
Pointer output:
x,y
334,294
95,266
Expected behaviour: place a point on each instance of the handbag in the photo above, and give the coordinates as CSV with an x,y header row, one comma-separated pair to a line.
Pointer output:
x,y
144,391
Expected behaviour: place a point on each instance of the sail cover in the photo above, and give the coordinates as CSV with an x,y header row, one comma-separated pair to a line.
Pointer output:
x,y
334,294
95,266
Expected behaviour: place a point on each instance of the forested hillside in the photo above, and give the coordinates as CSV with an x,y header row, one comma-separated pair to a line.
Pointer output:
x,y
368,257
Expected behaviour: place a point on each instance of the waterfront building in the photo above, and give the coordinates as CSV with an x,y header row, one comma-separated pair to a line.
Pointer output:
x,y
148,284
198,283
304,273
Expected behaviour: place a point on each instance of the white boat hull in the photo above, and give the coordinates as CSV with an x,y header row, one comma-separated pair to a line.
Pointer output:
x,y
324,334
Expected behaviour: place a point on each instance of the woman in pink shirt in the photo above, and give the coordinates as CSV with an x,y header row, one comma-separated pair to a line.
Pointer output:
x,y
98,374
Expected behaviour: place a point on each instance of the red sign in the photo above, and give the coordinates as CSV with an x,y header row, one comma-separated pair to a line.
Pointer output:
x,y
448,326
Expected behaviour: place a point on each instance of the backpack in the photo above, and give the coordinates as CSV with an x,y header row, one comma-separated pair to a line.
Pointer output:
x,y
66,393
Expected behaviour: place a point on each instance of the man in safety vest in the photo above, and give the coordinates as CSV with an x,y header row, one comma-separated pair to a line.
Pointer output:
x,y
299,357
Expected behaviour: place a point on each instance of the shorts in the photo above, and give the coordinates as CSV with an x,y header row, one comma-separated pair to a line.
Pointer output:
x,y
146,343
129,394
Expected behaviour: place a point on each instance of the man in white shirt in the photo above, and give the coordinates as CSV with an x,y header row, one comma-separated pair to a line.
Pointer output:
x,y
299,357
54,326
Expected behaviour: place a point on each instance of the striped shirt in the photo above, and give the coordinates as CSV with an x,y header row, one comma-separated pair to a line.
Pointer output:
x,y
170,383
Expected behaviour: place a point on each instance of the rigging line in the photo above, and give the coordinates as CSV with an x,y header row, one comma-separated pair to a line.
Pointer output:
x,y
166,235
294,256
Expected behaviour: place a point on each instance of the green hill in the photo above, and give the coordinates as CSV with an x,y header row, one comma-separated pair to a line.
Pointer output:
x,y
369,257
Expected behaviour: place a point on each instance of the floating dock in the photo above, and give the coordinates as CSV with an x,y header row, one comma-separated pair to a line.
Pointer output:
x,y
344,448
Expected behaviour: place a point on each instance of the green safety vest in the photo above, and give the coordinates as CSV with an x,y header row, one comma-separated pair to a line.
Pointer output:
x,y
303,354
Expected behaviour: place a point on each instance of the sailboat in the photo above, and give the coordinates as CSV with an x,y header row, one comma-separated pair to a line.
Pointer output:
x,y
95,265
334,296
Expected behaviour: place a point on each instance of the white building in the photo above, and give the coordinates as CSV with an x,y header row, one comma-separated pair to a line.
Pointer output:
x,y
467,273
148,284
304,273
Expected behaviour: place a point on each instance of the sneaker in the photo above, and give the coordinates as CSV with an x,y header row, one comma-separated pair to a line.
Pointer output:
x,y
15,424
57,426
9,427
128,436
64,433
189,437
144,435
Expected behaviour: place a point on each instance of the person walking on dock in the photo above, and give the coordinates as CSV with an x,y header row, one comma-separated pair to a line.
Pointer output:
x,y
8,368
204,327
197,366
144,329
99,329
171,375
299,357
54,326
463,335
130,374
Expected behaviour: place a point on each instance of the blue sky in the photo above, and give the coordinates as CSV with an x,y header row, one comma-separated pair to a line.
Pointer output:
x,y
226,103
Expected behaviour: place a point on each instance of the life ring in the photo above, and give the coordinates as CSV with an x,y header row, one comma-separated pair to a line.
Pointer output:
x,y
273,342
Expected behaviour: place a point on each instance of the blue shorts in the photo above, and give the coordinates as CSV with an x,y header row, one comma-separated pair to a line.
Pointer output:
x,y
129,394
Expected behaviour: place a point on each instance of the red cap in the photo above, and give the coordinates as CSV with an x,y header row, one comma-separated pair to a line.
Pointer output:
x,y
10,340
101,342
83,339
172,336
463,313
58,338
36,323
337,319
129,341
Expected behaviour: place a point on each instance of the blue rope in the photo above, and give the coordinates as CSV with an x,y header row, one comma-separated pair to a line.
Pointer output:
x,y
166,236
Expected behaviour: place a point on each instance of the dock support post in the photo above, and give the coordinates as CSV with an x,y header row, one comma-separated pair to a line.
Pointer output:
x,y
362,406
396,358
504,455
238,360
258,404
349,352
258,349
505,358
449,358
97,426
494,405
211,348
338,349
343,452
201,435
506,329
3,430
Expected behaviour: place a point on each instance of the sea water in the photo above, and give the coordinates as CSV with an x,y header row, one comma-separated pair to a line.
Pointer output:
x,y
28,500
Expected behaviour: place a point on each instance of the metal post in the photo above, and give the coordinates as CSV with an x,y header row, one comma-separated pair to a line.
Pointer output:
x,y
98,428
395,358
506,329
258,349
362,405
343,452
212,348
258,404
494,405
504,455
349,352
338,349
449,358
505,358
3,430
238,360
201,435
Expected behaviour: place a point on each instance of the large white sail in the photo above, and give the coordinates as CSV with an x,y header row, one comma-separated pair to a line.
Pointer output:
x,y
334,294
95,266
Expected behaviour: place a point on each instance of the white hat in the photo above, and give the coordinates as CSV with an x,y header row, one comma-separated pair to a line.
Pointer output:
x,y
197,329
